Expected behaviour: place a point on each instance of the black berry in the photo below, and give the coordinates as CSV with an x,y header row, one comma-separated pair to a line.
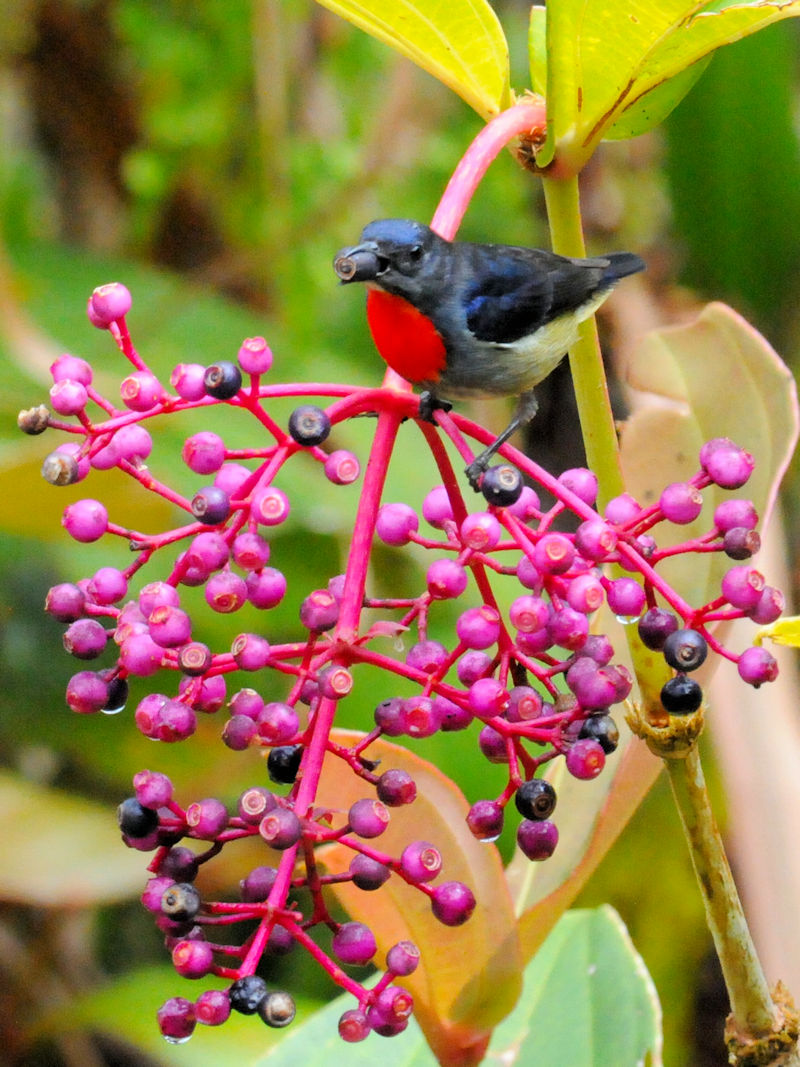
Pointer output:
x,y
740,543
502,485
247,993
681,695
135,820
603,730
283,763
222,380
181,902
117,695
309,425
685,650
535,799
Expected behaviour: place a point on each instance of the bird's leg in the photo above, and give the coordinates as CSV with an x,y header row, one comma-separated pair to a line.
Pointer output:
x,y
428,403
527,406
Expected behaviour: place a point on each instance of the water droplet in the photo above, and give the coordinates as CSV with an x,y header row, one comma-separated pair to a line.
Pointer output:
x,y
627,620
113,711
489,840
177,1040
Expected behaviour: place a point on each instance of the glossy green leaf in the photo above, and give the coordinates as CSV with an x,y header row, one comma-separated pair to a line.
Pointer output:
x,y
61,846
460,42
456,1006
587,1000
716,377
606,59
651,109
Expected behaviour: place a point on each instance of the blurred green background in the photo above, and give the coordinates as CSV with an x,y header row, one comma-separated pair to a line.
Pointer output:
x,y
213,156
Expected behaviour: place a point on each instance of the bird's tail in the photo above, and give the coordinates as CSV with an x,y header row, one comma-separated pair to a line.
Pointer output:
x,y
620,265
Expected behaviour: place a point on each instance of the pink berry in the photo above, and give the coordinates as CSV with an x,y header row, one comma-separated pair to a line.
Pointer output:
x,y
446,579
436,508
487,698
207,819
354,943
485,820
107,586
250,551
109,303
68,397
255,356
427,656
421,861
479,628
85,520
622,509
342,467
187,381
270,506
585,593
133,443
250,651
419,717
742,587
732,513
87,693
554,554
681,502
226,592
72,367
626,597
396,524
141,391
582,482
595,540
725,463
481,531
85,639
203,452
368,818
319,611
265,588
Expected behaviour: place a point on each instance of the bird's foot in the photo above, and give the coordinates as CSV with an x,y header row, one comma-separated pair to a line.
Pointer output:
x,y
429,403
476,470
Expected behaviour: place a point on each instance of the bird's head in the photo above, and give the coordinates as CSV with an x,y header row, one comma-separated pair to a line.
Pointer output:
x,y
393,254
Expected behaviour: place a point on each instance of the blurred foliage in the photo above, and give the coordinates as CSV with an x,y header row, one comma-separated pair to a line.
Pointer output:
x,y
214,155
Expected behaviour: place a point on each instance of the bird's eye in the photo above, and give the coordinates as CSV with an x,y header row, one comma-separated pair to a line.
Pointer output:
x,y
415,253
409,258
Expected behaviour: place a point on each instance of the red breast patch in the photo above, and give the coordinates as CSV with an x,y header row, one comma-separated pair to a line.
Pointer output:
x,y
405,338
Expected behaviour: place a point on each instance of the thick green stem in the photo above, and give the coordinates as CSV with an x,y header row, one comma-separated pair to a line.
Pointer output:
x,y
585,358
751,1004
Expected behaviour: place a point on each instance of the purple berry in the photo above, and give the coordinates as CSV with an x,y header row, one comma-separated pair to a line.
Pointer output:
x,y
226,592
472,666
741,543
452,716
485,820
257,885
419,717
238,732
277,723
568,628
85,639
86,693
537,840
353,1026
265,588
769,607
176,1020
529,576
757,666
207,819
389,716
319,611
403,958
255,803
427,656
368,818
626,598
595,540
250,551
251,652
368,874
487,697
480,531
396,787
211,505
655,626
194,659
453,903
524,704
354,943
421,861
732,513
493,745
280,828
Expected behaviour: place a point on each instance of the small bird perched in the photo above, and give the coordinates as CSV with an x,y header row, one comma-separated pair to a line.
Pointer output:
x,y
462,319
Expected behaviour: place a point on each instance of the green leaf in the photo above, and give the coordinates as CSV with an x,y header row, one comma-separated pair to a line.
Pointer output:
x,y
61,847
652,108
460,42
606,59
455,1005
716,377
587,1000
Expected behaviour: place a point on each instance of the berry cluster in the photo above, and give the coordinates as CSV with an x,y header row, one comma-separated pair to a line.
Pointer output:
x,y
539,683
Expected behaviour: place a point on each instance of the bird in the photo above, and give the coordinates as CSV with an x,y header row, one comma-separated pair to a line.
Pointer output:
x,y
460,319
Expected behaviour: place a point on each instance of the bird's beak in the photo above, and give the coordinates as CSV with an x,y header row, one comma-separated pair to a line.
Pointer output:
x,y
359,264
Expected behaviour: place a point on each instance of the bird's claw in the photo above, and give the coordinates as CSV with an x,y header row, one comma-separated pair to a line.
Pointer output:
x,y
476,470
429,403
